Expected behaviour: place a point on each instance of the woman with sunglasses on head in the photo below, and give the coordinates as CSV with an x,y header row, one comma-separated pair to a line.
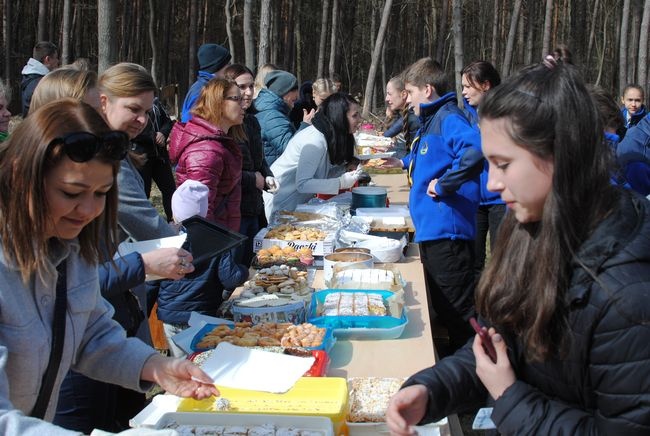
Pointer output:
x,y
58,197
125,91
205,149
565,294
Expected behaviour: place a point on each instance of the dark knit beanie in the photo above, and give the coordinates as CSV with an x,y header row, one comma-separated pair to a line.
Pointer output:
x,y
280,82
213,57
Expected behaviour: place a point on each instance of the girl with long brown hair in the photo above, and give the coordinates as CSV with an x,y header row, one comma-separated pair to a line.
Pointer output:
x,y
565,294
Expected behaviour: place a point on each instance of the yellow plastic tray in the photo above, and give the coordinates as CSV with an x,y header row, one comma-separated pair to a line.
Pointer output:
x,y
310,396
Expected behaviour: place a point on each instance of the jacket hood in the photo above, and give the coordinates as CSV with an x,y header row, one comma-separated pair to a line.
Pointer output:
x,y
622,237
195,130
34,67
267,100
426,109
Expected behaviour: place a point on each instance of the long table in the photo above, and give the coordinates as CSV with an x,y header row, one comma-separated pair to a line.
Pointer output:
x,y
414,350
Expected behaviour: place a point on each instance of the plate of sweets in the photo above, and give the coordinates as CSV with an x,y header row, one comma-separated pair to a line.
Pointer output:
x,y
276,255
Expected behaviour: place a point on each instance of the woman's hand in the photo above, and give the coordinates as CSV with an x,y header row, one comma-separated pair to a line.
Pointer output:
x,y
406,408
496,377
179,377
160,138
171,263
308,116
431,189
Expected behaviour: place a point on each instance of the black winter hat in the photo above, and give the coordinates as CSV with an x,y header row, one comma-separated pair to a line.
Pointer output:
x,y
213,57
280,82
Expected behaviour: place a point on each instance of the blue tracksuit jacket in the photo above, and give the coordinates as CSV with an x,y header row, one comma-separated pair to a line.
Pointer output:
x,y
448,149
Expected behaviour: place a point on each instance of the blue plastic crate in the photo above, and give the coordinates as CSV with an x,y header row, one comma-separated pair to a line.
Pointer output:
x,y
358,327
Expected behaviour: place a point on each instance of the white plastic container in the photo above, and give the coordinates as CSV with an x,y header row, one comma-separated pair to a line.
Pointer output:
x,y
392,211
312,423
345,259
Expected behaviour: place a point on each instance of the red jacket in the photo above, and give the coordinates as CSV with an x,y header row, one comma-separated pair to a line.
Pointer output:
x,y
206,154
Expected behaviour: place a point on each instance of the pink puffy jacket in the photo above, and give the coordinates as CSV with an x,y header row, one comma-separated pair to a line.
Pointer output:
x,y
206,154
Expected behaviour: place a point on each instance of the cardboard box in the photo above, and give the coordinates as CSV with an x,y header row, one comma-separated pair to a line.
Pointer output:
x,y
318,248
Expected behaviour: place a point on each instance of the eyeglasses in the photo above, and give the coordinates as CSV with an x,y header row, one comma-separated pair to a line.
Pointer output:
x,y
236,98
83,146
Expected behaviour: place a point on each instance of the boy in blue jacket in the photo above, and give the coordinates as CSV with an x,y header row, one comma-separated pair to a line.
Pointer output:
x,y
443,168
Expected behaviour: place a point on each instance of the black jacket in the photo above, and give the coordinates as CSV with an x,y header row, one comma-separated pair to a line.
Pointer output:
x,y
603,385
253,160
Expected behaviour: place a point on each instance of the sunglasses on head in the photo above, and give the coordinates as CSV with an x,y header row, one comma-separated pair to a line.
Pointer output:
x,y
83,146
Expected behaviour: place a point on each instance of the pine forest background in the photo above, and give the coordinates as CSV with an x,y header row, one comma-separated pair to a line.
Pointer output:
x,y
366,42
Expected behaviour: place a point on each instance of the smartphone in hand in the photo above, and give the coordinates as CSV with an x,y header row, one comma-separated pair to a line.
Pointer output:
x,y
488,346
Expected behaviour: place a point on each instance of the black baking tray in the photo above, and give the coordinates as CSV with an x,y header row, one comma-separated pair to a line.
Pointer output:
x,y
206,239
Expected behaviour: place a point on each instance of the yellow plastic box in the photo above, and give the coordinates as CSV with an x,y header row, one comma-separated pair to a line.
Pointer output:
x,y
310,396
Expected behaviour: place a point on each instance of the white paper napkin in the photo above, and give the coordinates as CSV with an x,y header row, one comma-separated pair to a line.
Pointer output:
x,y
242,368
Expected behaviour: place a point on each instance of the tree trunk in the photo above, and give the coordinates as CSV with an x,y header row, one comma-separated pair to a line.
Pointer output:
x,y
335,29
370,83
642,71
622,49
298,43
548,20
457,30
164,30
106,38
231,40
65,32
495,32
592,32
265,22
442,33
249,43
323,40
530,35
42,14
507,57
191,50
287,34
8,43
152,40
633,42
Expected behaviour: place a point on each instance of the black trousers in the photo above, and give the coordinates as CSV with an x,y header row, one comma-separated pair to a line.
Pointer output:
x,y
488,218
450,282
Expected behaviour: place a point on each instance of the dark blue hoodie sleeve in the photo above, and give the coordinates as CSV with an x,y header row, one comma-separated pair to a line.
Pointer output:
x,y
395,128
635,146
127,273
231,274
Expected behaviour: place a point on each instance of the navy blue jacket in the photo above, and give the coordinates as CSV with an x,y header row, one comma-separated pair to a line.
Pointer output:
x,y
115,285
199,291
448,149
193,93
635,118
633,155
602,385
277,128
487,197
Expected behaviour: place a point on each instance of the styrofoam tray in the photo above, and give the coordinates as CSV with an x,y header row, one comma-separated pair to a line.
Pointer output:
x,y
312,423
